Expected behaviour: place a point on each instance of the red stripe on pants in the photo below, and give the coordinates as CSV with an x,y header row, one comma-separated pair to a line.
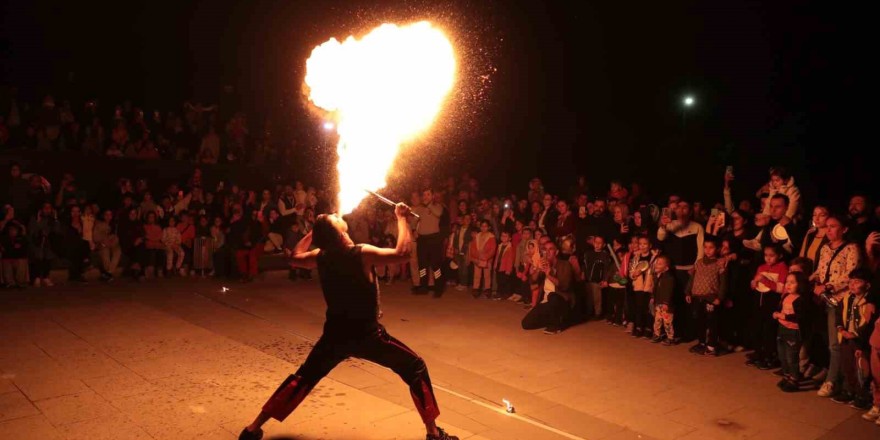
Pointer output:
x,y
287,397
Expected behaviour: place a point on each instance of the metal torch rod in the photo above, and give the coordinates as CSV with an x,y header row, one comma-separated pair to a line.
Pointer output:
x,y
388,201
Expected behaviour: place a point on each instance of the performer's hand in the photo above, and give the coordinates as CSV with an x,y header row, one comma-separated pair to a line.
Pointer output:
x,y
401,210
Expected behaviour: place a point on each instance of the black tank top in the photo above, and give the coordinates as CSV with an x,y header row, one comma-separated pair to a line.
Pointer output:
x,y
352,299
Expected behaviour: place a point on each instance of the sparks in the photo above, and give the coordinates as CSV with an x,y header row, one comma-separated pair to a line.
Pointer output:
x,y
384,89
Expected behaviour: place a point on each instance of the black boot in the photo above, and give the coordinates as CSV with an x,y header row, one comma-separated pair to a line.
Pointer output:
x,y
441,435
251,435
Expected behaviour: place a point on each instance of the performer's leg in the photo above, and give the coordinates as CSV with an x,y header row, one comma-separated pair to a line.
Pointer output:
x,y
324,357
388,352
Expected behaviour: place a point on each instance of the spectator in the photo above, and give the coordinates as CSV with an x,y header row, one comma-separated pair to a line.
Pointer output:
x,y
565,222
174,252
209,151
430,243
837,259
815,237
598,266
547,217
503,266
154,249
244,237
18,189
459,248
854,328
43,231
792,316
767,284
107,244
683,242
860,222
705,292
642,286
14,251
664,312
782,182
75,244
482,253
554,307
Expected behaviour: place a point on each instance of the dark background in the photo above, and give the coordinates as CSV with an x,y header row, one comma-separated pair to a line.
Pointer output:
x,y
546,88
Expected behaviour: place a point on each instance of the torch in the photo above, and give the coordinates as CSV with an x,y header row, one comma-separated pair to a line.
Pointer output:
x,y
388,202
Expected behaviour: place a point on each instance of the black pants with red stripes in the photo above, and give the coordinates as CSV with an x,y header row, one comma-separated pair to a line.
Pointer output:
x,y
377,346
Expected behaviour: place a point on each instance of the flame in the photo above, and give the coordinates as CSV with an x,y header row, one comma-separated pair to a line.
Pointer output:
x,y
383,90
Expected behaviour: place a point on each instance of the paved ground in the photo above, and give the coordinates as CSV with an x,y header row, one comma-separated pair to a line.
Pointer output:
x,y
180,359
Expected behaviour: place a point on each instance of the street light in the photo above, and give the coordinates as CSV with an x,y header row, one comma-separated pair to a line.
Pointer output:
x,y
688,101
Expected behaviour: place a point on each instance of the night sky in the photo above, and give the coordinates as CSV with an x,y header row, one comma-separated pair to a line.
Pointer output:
x,y
548,88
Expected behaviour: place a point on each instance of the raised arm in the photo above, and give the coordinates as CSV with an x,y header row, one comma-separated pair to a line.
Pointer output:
x,y
377,256
302,256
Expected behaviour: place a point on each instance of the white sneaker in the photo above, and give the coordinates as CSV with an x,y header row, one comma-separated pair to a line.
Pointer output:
x,y
48,283
182,271
37,282
872,415
827,390
460,288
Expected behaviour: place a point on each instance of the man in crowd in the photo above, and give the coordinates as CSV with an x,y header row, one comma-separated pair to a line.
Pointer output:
x,y
683,242
430,243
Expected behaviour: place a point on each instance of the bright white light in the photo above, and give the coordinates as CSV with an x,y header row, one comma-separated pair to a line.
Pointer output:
x,y
329,126
689,101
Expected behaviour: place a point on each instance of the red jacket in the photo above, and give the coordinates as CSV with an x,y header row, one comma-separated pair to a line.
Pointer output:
x,y
504,262
779,269
486,253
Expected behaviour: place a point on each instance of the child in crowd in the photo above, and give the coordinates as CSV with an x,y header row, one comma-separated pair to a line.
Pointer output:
x,y
203,248
792,317
767,284
504,266
13,248
642,285
482,252
854,328
172,241
814,347
664,288
705,291
597,265
617,283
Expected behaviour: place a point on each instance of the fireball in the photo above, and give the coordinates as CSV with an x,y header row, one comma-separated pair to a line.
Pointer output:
x,y
383,90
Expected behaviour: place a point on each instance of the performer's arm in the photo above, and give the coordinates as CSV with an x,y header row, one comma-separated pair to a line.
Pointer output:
x,y
400,254
302,256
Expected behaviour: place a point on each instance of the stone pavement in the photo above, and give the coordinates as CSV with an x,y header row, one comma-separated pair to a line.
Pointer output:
x,y
181,359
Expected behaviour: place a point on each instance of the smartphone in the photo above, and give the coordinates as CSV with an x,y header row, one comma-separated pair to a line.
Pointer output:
x,y
582,210
729,170
665,212
714,212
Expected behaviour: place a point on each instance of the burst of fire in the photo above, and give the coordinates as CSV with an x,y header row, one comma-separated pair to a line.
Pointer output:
x,y
382,90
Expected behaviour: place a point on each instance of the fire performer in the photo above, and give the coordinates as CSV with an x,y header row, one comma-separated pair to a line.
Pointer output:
x,y
352,328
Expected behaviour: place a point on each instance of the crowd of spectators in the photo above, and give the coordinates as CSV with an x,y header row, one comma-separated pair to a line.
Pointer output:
x,y
792,284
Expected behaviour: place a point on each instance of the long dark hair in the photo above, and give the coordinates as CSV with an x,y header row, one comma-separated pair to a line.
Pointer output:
x,y
324,233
